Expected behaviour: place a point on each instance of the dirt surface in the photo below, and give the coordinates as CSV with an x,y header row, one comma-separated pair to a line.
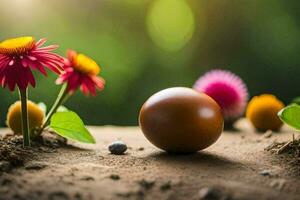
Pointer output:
x,y
239,166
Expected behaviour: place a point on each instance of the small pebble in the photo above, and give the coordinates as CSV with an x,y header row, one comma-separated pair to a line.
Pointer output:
x,y
265,172
58,196
35,166
115,177
211,193
165,186
117,148
147,184
5,166
87,178
130,194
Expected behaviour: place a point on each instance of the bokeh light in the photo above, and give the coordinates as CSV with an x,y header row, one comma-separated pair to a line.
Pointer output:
x,y
170,23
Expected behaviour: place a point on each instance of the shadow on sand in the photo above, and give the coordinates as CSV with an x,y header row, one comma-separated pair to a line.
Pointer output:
x,y
195,159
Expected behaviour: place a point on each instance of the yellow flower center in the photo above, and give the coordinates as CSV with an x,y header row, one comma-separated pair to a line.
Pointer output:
x,y
86,65
16,46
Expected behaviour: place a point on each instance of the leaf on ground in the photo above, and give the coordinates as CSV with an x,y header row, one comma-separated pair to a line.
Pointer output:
x,y
291,116
69,125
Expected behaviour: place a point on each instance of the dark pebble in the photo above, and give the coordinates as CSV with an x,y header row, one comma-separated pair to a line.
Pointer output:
x,y
132,194
5,166
117,148
115,177
58,196
265,173
211,193
87,178
165,186
77,196
35,166
146,184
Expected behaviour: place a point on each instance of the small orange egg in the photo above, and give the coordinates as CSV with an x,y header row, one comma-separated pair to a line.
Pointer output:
x,y
262,112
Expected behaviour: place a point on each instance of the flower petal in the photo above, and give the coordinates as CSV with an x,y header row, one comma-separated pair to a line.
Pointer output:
x,y
40,42
100,82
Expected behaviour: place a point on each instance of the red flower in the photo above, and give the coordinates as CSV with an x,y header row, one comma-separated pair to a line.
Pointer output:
x,y
19,55
81,71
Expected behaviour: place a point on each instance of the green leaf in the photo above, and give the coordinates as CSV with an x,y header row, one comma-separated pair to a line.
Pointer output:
x,y
291,116
69,125
42,106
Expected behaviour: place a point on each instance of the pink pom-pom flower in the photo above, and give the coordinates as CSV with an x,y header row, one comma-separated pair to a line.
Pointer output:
x,y
227,89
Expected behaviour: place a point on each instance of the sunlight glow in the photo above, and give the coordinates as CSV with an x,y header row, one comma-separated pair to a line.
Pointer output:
x,y
170,24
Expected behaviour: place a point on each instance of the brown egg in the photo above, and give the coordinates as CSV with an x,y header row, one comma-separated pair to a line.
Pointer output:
x,y
181,120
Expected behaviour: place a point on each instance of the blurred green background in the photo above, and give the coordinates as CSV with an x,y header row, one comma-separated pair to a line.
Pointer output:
x,y
144,46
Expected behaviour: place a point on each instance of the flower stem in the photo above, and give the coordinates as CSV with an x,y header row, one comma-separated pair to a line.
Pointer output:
x,y
25,125
62,96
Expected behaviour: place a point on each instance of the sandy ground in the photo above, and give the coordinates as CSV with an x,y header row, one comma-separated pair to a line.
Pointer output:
x,y
236,167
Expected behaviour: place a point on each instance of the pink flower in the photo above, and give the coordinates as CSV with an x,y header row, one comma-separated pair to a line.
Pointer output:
x,y
81,71
227,89
18,56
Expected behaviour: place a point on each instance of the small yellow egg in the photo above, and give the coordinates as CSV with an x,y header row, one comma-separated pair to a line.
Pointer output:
x,y
35,115
262,112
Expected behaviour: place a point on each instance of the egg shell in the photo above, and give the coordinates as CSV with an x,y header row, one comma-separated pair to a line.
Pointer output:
x,y
181,120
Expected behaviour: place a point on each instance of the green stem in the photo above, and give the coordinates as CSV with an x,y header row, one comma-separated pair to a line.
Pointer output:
x,y
62,96
25,125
